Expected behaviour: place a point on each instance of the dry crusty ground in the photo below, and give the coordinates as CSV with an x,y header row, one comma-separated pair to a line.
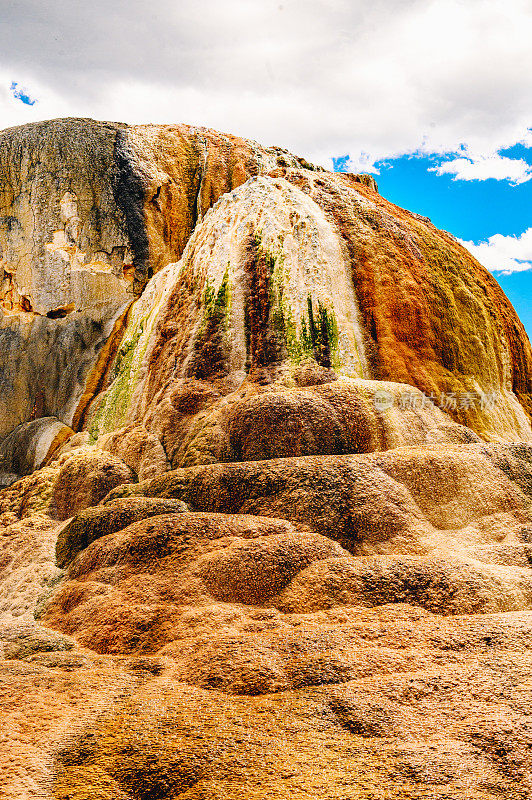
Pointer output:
x,y
207,652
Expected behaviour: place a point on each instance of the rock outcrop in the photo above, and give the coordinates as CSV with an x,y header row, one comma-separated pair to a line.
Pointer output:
x,y
88,212
266,444
267,286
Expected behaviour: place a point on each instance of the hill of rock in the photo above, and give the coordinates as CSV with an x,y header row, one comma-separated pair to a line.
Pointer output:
x,y
266,450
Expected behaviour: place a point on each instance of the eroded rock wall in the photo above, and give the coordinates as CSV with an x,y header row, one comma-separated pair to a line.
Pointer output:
x,y
298,267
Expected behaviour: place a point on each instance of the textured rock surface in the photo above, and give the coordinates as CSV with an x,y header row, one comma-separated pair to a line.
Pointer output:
x,y
93,523
85,478
88,211
266,287
249,555
297,264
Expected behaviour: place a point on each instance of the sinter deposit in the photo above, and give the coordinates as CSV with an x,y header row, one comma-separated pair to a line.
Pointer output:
x,y
266,450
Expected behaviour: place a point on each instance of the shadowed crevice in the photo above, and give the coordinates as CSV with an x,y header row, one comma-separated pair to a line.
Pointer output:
x,y
129,194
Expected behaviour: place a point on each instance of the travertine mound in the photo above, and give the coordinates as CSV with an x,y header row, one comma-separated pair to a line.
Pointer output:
x,y
267,295
295,271
85,478
93,523
267,524
88,212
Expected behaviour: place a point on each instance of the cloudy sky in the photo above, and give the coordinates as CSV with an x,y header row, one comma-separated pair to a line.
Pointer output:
x,y
432,96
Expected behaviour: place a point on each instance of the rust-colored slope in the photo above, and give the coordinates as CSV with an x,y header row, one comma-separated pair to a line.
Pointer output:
x,y
233,314
433,316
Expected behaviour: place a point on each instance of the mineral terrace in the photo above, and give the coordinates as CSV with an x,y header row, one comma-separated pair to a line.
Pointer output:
x,y
266,458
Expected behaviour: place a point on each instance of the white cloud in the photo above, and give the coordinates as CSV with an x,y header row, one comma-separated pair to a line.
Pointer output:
x,y
363,162
372,78
515,170
504,254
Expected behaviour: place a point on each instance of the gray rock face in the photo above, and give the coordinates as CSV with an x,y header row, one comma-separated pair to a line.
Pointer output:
x,y
64,244
44,362
65,263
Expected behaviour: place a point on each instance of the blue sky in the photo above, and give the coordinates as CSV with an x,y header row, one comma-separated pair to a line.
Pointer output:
x,y
19,93
471,210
